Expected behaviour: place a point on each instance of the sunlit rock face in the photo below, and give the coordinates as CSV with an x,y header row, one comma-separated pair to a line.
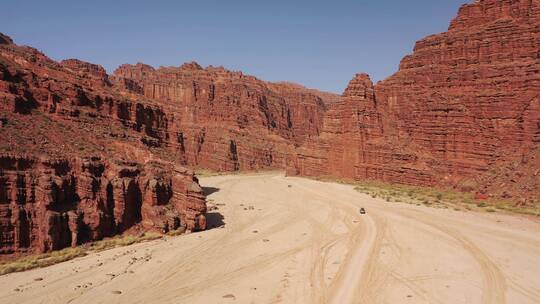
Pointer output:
x,y
465,105
87,155
226,120
80,161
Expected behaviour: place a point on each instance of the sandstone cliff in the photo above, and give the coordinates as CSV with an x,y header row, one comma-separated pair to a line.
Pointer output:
x,y
75,162
84,155
225,120
354,145
119,140
464,107
49,204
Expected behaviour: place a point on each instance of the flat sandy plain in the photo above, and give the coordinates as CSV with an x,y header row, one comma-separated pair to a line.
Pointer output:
x,y
306,243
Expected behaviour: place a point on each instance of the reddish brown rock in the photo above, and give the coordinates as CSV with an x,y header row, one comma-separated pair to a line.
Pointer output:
x,y
119,141
87,70
353,144
86,155
225,120
5,39
76,158
294,88
463,106
49,204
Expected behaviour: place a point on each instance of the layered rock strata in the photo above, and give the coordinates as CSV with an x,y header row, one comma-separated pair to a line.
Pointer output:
x,y
463,108
79,161
225,120
137,126
48,204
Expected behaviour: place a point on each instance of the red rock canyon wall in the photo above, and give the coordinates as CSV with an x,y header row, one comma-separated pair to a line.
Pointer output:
x,y
465,105
136,127
84,155
79,161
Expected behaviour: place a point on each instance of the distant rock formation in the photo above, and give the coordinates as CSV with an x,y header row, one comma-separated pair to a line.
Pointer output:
x,y
226,120
85,155
464,107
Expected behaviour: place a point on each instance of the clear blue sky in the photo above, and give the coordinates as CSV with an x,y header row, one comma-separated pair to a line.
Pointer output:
x,y
320,44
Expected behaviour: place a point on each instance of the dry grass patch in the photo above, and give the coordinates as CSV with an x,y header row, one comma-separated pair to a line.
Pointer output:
x,y
177,232
533,209
439,198
121,241
431,197
435,197
41,260
66,254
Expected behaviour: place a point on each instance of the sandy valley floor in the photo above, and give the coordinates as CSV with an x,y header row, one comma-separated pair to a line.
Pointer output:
x,y
306,243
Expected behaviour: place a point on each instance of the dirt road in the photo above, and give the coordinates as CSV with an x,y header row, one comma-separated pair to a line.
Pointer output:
x,y
293,240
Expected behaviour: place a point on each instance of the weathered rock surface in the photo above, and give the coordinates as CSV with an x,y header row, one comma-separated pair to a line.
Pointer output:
x,y
117,139
49,204
461,108
75,161
5,39
84,155
225,120
353,143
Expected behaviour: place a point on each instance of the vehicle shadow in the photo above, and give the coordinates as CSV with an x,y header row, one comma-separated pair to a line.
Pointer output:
x,y
209,190
214,220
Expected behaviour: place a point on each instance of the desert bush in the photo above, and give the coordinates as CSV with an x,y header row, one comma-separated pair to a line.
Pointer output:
x,y
41,260
177,232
